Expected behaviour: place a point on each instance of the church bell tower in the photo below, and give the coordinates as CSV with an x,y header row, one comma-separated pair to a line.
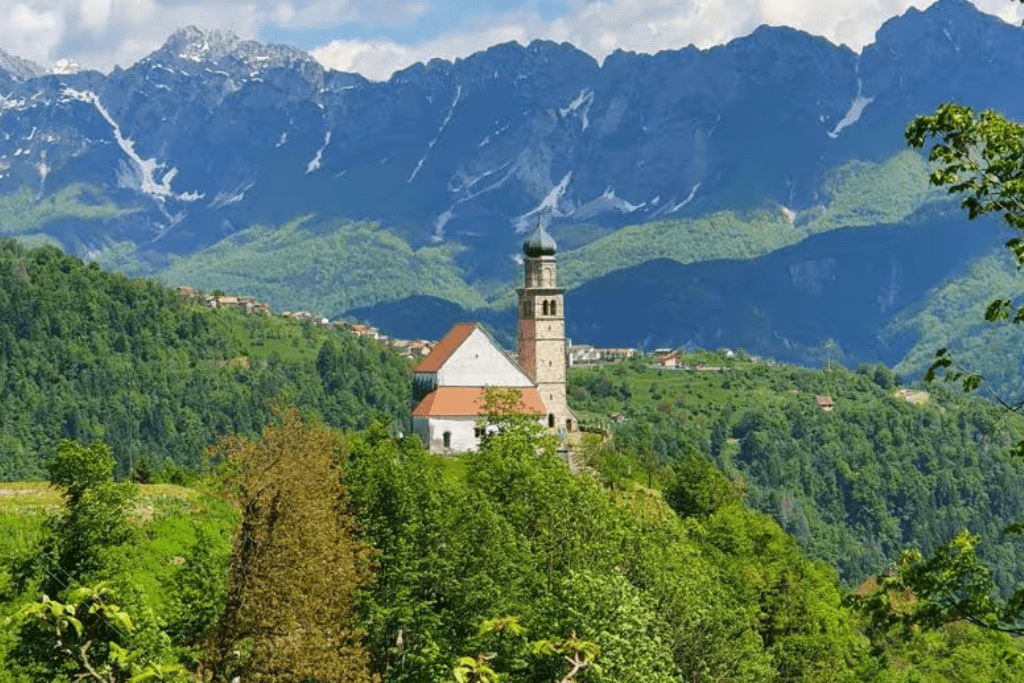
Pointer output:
x,y
540,342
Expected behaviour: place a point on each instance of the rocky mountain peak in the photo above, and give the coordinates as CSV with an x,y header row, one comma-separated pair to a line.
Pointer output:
x,y
975,52
18,68
216,47
191,42
946,21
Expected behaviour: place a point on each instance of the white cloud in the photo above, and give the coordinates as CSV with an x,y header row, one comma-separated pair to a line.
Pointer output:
x,y
102,33
599,27
379,58
27,27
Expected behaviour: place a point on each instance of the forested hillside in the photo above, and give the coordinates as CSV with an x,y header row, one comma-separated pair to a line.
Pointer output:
x,y
504,565
94,356
881,472
499,566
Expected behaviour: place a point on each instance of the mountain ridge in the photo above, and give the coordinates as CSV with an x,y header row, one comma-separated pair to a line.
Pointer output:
x,y
211,135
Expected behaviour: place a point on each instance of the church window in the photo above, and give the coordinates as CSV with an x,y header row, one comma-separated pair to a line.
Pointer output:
x,y
551,420
568,425
553,308
545,308
447,439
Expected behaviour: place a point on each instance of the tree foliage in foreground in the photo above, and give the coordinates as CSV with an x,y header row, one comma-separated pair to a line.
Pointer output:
x,y
511,531
472,555
289,613
86,620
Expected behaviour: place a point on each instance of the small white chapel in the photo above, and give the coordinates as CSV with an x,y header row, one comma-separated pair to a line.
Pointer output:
x,y
448,386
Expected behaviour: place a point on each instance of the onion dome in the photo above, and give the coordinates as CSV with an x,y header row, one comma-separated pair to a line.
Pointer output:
x,y
540,244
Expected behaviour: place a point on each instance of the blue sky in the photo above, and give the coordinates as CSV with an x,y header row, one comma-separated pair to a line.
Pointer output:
x,y
377,37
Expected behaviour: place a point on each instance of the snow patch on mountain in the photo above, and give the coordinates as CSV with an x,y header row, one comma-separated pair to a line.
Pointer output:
x,y
672,208
65,67
317,160
11,104
607,201
146,168
439,224
440,131
857,108
230,197
18,67
582,101
547,205
487,139
44,171
463,182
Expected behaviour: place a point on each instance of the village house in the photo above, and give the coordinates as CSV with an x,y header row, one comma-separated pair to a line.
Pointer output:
x,y
247,304
412,350
449,385
668,360
611,355
585,354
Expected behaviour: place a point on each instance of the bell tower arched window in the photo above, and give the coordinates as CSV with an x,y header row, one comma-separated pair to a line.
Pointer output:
x,y
554,308
545,307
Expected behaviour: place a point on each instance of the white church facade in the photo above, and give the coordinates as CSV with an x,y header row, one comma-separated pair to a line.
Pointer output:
x,y
449,385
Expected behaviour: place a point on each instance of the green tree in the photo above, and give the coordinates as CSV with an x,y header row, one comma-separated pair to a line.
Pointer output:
x,y
289,614
78,468
90,538
696,487
90,622
82,638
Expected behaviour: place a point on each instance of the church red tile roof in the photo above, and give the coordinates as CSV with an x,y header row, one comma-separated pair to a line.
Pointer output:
x,y
444,349
466,401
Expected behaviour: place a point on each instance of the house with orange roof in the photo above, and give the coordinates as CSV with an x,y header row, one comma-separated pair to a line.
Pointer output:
x,y
449,385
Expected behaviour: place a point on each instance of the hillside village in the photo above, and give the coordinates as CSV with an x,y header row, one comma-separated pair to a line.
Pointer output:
x,y
411,349
415,351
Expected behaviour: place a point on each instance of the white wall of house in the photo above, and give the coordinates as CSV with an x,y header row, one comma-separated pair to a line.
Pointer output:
x,y
432,430
478,363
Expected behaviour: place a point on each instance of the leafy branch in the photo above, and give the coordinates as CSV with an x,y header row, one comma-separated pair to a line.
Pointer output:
x,y
579,654
83,631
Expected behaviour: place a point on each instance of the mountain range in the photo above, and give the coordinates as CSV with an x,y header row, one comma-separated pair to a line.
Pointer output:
x,y
755,194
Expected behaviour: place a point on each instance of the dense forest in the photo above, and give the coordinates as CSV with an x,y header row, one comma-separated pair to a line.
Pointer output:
x,y
886,469
94,356
313,542
499,566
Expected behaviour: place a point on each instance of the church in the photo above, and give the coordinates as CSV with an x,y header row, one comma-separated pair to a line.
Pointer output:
x,y
449,384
